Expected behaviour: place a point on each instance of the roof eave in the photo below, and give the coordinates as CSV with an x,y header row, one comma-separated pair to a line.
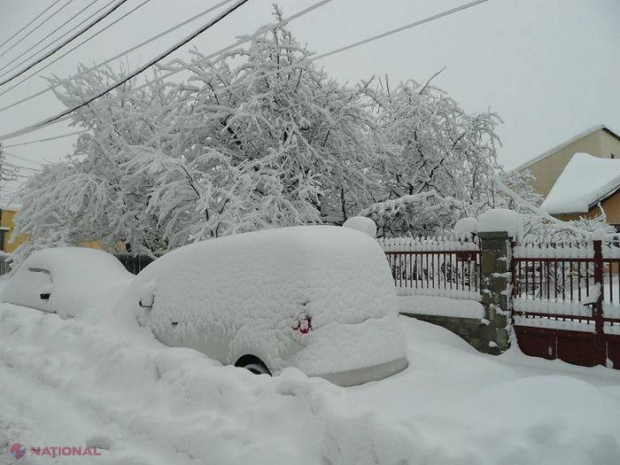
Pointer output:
x,y
565,144
602,198
611,133
591,206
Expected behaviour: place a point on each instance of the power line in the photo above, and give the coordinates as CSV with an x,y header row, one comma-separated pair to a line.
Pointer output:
x,y
16,175
37,27
20,167
138,71
35,127
31,21
48,36
116,57
66,42
333,52
46,139
11,165
19,157
400,29
60,116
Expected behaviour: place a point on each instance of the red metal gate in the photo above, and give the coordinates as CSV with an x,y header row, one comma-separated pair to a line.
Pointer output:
x,y
566,301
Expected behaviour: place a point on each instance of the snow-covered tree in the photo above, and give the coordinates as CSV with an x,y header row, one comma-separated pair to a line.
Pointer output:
x,y
437,148
82,199
268,102
8,172
259,137
426,213
518,182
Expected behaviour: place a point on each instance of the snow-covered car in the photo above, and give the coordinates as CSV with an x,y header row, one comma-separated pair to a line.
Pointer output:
x,y
318,298
71,281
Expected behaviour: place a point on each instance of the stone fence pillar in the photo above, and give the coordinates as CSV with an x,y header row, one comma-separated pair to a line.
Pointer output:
x,y
496,253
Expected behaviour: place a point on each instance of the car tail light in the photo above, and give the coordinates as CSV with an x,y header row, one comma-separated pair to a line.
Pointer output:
x,y
304,324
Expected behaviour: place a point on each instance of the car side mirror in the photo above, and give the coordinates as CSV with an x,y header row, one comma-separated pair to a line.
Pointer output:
x,y
147,296
45,292
147,304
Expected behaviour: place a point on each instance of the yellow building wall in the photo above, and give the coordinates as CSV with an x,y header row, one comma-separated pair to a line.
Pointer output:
x,y
611,206
547,170
92,245
8,221
609,145
599,144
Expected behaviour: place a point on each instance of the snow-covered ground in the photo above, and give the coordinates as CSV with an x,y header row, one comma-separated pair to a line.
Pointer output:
x,y
439,306
67,383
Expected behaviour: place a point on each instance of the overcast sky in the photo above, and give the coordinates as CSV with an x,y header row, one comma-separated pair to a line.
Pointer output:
x,y
549,68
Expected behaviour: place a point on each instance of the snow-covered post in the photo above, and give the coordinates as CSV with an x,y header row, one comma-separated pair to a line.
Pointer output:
x,y
600,349
497,229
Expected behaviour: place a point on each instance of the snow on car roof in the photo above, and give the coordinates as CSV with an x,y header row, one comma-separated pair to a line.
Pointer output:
x,y
70,262
302,247
584,181
326,266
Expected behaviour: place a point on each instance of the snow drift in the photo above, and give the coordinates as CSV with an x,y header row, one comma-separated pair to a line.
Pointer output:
x,y
155,405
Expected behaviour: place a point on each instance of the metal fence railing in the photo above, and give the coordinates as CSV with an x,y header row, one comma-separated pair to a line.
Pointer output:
x,y
444,266
5,267
134,263
568,290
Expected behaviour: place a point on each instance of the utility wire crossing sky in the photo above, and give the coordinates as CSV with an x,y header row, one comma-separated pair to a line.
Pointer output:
x,y
475,71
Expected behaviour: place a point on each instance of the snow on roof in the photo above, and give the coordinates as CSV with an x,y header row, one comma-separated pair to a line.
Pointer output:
x,y
566,143
585,181
10,206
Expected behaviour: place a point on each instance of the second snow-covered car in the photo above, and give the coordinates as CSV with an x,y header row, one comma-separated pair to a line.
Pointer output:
x,y
71,281
318,298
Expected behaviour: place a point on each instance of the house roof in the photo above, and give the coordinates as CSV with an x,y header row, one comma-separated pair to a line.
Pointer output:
x,y
566,143
585,181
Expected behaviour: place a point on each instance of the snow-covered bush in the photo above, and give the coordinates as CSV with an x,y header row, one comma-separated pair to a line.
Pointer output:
x,y
539,229
414,215
363,224
465,227
515,192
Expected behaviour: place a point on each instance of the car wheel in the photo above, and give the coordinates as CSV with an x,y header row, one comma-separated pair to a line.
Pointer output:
x,y
253,364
